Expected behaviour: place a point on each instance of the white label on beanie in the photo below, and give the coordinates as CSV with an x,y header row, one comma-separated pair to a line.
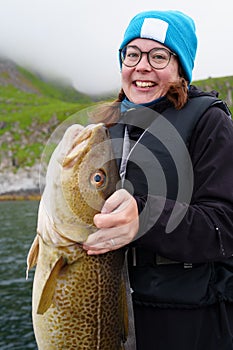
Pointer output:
x,y
154,28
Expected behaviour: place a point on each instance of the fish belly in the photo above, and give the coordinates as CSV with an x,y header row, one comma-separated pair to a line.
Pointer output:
x,y
86,311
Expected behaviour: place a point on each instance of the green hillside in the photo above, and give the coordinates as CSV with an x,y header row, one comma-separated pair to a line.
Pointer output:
x,y
30,109
223,85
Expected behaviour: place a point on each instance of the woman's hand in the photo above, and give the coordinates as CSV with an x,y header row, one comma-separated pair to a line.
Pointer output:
x,y
118,224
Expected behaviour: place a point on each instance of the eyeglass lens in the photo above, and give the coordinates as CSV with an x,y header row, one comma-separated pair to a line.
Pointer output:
x,y
157,57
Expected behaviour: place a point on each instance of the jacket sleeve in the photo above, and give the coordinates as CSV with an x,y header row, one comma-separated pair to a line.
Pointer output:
x,y
206,231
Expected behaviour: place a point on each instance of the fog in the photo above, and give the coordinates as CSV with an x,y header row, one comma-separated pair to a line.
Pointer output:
x,y
78,40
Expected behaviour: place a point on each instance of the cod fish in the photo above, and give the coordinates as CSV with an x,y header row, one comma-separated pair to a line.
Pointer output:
x,y
78,301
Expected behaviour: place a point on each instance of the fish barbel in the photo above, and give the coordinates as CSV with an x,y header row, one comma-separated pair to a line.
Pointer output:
x,y
78,300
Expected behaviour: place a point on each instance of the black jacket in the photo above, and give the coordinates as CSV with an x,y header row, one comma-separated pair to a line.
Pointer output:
x,y
203,240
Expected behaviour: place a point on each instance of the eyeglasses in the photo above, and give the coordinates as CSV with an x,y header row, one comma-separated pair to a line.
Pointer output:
x,y
158,58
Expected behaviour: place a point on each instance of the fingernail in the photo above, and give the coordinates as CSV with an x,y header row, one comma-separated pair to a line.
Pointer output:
x,y
91,252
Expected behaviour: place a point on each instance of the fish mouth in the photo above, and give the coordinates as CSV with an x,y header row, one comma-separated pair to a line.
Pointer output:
x,y
144,84
77,149
81,143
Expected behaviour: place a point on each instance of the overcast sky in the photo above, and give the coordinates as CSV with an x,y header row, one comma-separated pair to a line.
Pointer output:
x,y
79,39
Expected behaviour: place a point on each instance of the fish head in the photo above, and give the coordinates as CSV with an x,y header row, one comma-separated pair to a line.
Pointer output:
x,y
89,172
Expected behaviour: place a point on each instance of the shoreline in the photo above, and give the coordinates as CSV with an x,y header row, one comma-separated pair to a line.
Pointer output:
x,y
20,197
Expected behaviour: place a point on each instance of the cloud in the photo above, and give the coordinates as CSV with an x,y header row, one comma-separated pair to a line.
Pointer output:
x,y
79,40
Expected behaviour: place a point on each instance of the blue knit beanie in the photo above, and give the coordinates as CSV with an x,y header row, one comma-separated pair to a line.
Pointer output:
x,y
173,29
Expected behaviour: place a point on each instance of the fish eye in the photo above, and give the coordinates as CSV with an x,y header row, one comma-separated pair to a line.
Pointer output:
x,y
98,179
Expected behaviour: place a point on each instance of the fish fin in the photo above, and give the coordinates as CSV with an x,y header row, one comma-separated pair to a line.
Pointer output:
x,y
48,291
129,338
32,255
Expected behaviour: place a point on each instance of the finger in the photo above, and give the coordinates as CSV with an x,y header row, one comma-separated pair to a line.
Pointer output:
x,y
116,219
126,211
107,245
102,247
101,236
97,252
101,251
104,220
114,201
109,238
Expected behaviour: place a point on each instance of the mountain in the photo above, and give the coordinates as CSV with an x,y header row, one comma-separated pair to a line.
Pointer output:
x,y
30,110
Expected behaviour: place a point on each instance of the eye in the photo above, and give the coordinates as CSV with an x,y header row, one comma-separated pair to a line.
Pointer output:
x,y
159,56
132,54
98,179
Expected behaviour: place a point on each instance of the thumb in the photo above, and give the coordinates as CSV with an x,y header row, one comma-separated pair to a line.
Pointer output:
x,y
115,201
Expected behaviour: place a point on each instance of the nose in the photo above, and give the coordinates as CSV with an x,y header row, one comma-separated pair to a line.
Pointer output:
x,y
144,64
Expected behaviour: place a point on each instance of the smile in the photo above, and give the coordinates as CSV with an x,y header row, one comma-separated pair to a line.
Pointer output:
x,y
144,84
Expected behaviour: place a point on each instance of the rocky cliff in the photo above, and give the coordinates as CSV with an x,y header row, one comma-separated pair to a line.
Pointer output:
x,y
22,182
30,109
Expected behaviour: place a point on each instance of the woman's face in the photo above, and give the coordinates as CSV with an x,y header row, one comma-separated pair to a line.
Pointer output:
x,y
143,83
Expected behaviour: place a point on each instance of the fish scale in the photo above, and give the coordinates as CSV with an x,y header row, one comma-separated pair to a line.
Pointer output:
x,y
79,301
84,313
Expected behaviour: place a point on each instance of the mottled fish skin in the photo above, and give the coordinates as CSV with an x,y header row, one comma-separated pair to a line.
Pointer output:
x,y
79,301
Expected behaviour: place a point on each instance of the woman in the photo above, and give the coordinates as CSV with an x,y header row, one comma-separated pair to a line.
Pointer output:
x,y
175,219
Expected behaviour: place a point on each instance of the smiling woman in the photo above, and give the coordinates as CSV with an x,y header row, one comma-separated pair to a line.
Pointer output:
x,y
174,145
146,76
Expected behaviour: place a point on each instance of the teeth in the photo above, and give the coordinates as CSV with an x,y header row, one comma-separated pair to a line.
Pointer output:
x,y
144,84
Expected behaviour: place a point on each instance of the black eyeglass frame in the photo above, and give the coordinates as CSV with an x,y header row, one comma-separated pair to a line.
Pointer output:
x,y
148,55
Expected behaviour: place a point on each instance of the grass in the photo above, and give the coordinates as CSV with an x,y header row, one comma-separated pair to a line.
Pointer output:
x,y
27,118
223,85
30,110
